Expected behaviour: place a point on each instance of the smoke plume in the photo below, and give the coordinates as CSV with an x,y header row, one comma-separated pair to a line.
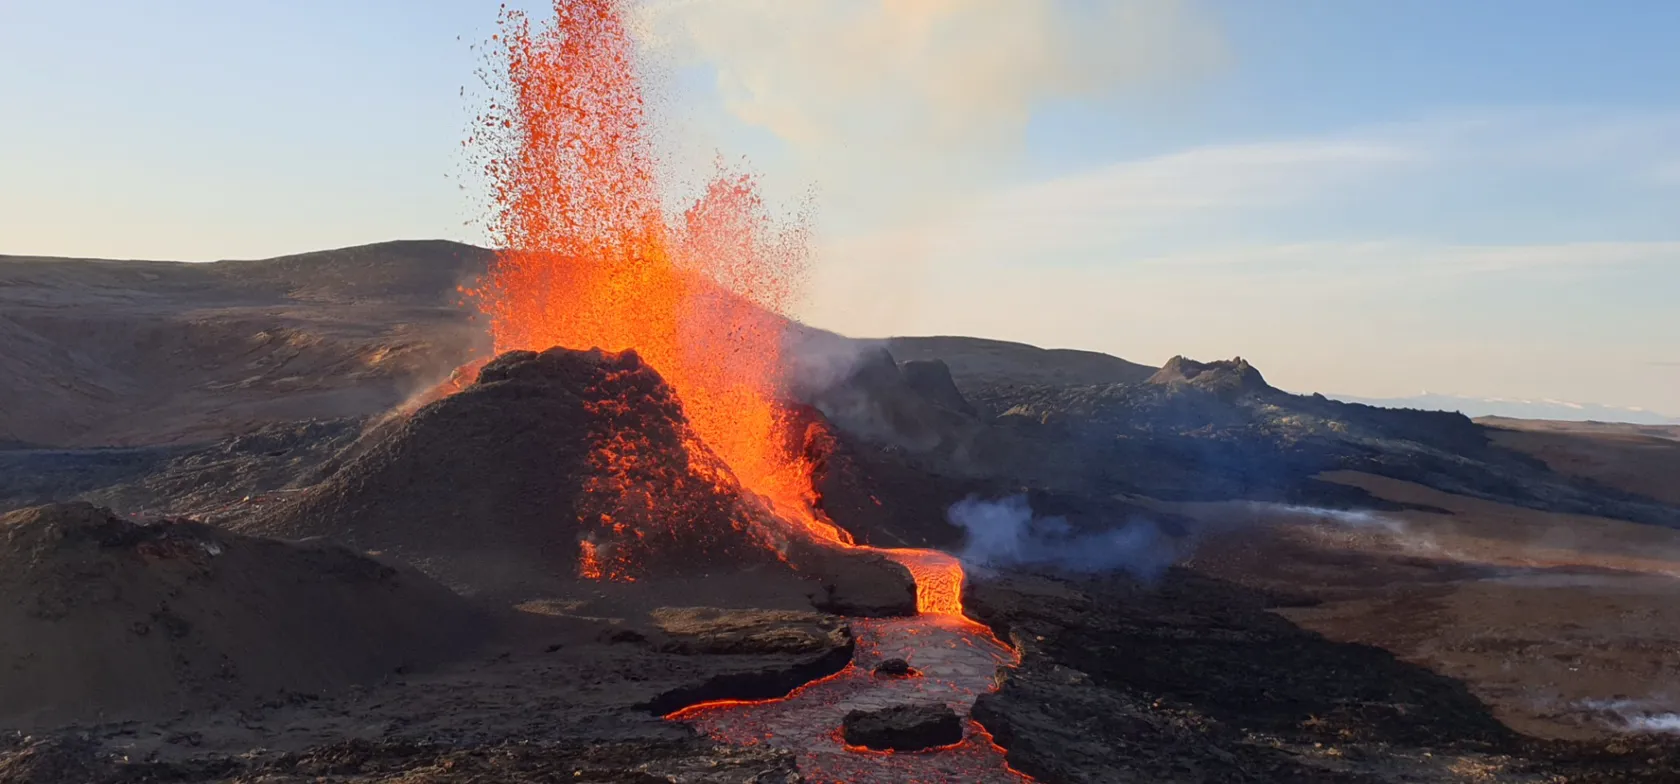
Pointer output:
x,y
1636,716
1353,521
1006,533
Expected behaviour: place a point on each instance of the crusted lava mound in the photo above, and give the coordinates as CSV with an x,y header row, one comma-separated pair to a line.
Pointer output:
x,y
1225,377
550,467
903,728
102,618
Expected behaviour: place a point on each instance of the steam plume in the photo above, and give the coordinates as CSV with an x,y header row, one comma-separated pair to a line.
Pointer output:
x,y
1005,533
1636,716
1360,521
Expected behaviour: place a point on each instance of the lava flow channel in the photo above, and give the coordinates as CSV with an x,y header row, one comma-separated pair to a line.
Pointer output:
x,y
590,258
956,664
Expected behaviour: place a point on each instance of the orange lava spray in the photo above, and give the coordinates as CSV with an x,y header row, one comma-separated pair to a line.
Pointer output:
x,y
590,258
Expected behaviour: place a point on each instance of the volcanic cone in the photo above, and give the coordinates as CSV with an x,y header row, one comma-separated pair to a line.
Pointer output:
x,y
551,467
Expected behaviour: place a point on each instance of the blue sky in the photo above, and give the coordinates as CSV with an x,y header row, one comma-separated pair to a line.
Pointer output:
x,y
1371,198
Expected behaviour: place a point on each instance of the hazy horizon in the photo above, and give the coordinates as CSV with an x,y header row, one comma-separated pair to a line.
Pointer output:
x,y
1364,199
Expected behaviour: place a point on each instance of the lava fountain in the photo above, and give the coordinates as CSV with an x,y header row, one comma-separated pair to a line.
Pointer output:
x,y
590,257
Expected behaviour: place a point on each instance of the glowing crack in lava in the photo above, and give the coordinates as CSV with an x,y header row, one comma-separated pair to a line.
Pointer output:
x,y
590,258
955,666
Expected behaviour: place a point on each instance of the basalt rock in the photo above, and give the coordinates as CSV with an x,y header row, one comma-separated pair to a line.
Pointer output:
x,y
1123,682
1226,378
932,379
895,668
903,728
856,583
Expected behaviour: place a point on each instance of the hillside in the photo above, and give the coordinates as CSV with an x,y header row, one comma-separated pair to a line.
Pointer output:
x,y
138,353
105,353
1642,459
979,361
1374,590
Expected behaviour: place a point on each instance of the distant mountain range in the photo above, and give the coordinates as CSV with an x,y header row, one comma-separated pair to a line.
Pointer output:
x,y
1519,409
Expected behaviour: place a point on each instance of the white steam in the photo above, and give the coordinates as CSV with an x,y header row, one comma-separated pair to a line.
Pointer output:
x,y
816,360
1659,722
1358,519
1006,533
1636,716
907,101
1356,522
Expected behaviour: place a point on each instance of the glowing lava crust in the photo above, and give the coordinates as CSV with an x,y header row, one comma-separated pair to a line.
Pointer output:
x,y
590,258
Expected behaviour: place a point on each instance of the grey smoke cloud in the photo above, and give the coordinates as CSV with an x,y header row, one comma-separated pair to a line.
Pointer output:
x,y
1636,716
1348,518
1006,533
816,360
1359,521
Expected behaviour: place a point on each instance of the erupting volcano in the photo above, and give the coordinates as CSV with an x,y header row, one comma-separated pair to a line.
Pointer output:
x,y
592,259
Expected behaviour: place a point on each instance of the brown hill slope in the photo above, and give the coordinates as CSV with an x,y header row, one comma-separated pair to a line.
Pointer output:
x,y
121,353
979,361
104,618
1626,457
140,352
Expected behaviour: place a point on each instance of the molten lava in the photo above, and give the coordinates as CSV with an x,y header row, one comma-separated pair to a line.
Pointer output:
x,y
590,257
956,665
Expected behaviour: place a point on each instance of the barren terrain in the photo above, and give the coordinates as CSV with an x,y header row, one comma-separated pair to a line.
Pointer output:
x,y
1328,592
1642,459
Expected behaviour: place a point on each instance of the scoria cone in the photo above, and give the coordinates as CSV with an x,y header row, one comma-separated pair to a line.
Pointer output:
x,y
554,466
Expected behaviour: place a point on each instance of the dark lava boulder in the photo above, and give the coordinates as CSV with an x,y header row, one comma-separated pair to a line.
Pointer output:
x,y
849,582
895,668
903,728
105,619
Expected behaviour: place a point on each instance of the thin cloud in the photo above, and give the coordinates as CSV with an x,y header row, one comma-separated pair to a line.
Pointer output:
x,y
894,106
1222,176
1239,204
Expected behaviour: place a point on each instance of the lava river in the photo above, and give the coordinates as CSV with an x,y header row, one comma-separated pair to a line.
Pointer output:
x,y
590,256
957,661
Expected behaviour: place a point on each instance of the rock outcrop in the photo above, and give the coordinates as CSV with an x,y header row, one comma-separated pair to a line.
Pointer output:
x,y
903,728
1226,377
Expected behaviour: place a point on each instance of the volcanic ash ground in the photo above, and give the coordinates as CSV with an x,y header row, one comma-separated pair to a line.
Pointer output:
x,y
108,619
